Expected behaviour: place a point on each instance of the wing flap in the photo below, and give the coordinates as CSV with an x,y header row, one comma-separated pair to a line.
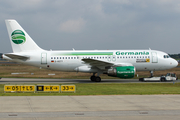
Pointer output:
x,y
94,62
103,64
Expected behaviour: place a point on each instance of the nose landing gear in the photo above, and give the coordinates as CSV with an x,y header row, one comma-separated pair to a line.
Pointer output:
x,y
152,73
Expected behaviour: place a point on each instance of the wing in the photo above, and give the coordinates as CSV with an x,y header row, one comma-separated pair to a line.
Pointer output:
x,y
20,57
103,65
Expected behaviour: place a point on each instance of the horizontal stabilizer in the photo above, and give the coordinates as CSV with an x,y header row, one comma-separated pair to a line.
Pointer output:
x,y
14,56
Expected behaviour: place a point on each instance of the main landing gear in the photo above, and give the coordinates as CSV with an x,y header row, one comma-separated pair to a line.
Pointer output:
x,y
95,78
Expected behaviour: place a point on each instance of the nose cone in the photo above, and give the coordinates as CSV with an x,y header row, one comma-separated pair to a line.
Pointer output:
x,y
174,63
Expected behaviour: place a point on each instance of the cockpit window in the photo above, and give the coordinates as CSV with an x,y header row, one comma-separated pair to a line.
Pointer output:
x,y
166,56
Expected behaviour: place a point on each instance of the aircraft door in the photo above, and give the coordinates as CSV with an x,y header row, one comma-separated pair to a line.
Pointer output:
x,y
43,58
154,57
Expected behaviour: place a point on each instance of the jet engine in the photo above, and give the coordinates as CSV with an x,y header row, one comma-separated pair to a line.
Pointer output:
x,y
122,72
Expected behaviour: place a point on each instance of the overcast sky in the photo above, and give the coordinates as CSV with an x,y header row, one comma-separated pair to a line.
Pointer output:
x,y
95,24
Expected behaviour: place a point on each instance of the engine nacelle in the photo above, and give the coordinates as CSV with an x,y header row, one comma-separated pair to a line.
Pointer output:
x,y
122,72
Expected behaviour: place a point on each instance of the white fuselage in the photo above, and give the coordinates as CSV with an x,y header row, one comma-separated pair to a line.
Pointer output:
x,y
142,60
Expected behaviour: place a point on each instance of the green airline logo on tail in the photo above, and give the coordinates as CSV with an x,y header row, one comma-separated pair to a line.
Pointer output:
x,y
18,37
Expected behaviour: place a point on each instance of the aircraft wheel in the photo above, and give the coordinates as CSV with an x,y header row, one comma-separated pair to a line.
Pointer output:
x,y
98,79
93,78
162,79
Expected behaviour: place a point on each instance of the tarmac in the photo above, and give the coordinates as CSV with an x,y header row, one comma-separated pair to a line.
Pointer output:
x,y
36,81
126,107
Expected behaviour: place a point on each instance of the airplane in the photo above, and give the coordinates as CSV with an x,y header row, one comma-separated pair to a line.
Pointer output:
x,y
116,63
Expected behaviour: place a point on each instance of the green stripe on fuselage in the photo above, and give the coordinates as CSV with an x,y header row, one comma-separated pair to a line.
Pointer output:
x,y
85,53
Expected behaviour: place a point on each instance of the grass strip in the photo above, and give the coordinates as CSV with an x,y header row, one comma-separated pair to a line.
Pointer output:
x,y
109,89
